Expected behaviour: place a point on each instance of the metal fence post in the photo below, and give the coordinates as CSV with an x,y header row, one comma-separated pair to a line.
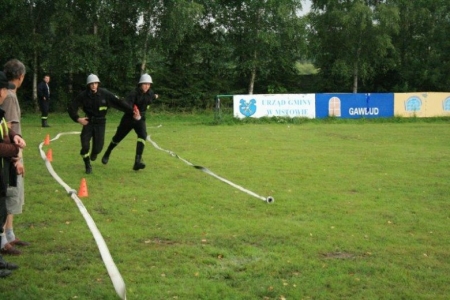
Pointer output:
x,y
217,110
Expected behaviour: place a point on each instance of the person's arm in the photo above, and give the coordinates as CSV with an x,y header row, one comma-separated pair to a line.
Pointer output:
x,y
40,91
122,105
73,107
153,95
9,149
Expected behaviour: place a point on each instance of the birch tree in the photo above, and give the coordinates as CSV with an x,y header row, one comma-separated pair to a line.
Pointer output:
x,y
349,39
255,29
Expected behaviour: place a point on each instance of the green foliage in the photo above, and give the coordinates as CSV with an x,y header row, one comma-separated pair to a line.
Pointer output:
x,y
60,104
305,68
197,49
424,50
350,40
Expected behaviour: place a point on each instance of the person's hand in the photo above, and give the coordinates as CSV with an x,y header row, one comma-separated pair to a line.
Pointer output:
x,y
20,169
18,157
136,113
83,121
156,96
19,141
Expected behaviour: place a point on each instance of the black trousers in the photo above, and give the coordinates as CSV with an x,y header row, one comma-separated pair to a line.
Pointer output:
x,y
93,131
44,106
127,123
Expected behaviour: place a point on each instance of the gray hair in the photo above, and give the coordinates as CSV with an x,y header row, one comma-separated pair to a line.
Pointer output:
x,y
14,68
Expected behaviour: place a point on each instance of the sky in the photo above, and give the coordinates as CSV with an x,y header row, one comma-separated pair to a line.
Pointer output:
x,y
306,4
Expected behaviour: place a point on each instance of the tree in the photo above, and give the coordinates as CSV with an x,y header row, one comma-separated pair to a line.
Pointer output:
x,y
349,39
255,29
423,45
25,27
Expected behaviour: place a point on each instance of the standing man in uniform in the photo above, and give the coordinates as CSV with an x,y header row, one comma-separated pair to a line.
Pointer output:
x,y
94,101
10,145
43,91
140,98
15,197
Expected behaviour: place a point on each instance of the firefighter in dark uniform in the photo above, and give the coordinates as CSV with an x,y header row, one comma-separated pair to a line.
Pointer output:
x,y
94,101
43,92
140,98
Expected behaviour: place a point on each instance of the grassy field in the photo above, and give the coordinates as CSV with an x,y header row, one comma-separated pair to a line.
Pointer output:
x,y
361,211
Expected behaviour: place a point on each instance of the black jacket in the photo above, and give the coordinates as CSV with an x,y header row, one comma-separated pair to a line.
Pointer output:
x,y
95,106
141,100
43,91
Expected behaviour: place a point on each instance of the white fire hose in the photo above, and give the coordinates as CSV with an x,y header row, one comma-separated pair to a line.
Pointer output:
x,y
114,274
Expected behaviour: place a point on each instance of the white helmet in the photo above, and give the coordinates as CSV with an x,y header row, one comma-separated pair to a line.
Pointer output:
x,y
145,78
92,78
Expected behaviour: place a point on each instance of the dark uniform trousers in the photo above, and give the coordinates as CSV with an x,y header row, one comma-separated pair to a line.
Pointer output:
x,y
127,123
95,130
44,106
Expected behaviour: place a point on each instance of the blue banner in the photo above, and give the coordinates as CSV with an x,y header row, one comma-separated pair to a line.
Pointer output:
x,y
354,106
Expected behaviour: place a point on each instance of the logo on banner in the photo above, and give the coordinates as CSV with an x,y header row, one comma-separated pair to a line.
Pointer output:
x,y
247,108
334,107
413,104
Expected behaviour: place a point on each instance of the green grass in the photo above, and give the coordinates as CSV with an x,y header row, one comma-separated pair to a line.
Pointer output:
x,y
361,211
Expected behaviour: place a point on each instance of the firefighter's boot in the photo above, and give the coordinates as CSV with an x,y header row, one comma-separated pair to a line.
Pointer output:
x,y
87,164
138,164
105,157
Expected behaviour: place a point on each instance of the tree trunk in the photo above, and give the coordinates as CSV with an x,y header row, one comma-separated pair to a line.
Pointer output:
x,y
35,81
147,36
355,77
356,66
252,76
144,55
252,81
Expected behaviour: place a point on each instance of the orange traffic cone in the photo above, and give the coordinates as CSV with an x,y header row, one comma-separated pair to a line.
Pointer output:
x,y
47,140
50,155
83,192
